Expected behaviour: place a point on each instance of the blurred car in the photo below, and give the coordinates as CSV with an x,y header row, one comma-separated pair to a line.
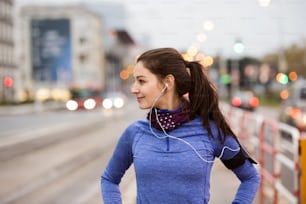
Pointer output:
x,y
293,109
114,100
244,99
85,99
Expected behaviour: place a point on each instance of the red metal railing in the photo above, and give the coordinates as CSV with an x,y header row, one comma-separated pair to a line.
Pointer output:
x,y
277,147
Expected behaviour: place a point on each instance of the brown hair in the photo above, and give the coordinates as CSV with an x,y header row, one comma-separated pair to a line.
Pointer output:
x,y
203,96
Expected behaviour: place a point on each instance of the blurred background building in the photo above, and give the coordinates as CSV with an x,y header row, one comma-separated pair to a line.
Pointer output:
x,y
7,53
59,48
113,16
120,47
47,50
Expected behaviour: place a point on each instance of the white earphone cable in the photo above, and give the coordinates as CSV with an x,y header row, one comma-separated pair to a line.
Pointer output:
x,y
179,139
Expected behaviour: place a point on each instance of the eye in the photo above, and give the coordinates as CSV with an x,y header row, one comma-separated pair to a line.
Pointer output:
x,y
141,81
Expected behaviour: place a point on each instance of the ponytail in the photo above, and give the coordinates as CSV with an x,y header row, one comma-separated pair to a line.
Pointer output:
x,y
201,89
204,101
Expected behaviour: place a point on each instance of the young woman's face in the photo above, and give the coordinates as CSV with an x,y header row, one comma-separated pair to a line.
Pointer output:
x,y
147,88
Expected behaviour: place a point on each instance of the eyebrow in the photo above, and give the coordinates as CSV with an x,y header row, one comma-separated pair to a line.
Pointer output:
x,y
140,76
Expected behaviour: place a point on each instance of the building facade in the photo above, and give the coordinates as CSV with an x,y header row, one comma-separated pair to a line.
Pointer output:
x,y
7,53
59,48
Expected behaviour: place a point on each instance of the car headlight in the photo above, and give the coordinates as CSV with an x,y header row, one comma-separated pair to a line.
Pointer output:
x,y
71,105
118,103
89,104
107,103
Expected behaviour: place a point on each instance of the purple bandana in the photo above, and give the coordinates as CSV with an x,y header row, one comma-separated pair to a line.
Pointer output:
x,y
170,119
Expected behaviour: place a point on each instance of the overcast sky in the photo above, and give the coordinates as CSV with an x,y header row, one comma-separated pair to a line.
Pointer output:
x,y
176,23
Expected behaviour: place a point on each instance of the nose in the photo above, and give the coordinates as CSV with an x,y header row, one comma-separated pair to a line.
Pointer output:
x,y
134,89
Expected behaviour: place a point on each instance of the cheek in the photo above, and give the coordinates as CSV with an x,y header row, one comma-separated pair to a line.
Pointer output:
x,y
155,99
150,97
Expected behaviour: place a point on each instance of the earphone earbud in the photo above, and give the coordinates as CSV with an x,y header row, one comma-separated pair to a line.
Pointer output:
x,y
165,88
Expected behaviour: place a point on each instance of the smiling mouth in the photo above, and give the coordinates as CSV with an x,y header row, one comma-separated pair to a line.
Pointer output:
x,y
139,98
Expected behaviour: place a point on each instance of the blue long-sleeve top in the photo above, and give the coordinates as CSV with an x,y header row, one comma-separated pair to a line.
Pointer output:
x,y
168,171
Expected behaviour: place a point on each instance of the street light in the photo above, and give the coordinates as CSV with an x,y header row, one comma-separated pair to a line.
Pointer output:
x,y
264,3
208,25
201,37
238,48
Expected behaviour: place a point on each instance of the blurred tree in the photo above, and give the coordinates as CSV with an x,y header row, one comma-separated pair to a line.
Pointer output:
x,y
271,59
295,56
296,59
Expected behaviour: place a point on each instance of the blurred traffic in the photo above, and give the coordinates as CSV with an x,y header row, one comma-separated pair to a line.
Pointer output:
x,y
245,99
114,100
293,108
87,99
84,99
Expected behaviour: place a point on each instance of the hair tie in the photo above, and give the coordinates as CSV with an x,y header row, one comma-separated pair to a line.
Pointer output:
x,y
187,64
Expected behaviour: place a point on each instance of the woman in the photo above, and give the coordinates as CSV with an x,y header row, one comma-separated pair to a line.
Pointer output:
x,y
173,150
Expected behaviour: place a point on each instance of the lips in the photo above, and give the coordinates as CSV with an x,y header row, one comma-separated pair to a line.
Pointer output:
x,y
140,98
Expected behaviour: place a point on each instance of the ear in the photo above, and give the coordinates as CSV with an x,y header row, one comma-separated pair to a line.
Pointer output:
x,y
169,81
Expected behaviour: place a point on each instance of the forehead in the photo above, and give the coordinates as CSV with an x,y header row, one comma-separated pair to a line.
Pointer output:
x,y
141,71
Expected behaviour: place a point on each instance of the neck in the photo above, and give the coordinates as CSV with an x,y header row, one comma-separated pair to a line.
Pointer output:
x,y
167,120
170,103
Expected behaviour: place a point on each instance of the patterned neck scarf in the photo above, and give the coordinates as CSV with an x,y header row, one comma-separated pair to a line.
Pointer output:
x,y
170,120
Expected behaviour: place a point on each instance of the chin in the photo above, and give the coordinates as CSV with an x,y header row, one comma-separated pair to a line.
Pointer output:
x,y
143,107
